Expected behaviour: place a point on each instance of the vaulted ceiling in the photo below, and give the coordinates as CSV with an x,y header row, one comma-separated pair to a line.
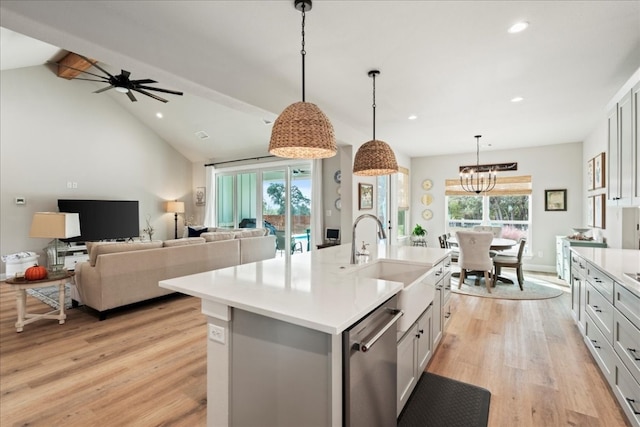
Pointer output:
x,y
452,64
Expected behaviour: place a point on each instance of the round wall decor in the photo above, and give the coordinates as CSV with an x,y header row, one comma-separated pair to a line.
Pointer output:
x,y
427,199
337,177
338,204
427,214
427,184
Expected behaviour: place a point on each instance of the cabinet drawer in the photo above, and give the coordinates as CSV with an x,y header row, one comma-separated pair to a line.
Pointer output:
x,y
600,349
578,265
447,265
602,282
601,311
628,304
627,344
628,393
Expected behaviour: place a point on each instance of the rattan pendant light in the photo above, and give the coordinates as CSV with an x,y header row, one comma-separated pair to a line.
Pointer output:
x,y
374,157
302,130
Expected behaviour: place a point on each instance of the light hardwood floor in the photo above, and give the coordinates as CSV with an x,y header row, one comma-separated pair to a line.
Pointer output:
x,y
146,366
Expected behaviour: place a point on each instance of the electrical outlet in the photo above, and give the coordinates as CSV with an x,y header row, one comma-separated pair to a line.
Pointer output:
x,y
216,333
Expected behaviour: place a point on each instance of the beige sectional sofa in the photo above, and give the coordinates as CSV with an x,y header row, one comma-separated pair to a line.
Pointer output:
x,y
118,274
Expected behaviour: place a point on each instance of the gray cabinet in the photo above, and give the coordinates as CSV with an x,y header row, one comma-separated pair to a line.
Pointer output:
x,y
611,328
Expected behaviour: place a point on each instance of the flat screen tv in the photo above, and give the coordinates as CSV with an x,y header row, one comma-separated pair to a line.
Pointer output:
x,y
332,235
103,219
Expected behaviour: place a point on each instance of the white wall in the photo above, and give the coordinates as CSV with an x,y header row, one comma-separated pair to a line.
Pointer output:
x,y
55,131
550,167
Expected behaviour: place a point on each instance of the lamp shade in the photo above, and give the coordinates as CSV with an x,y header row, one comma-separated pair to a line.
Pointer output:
x,y
375,158
303,131
175,207
55,225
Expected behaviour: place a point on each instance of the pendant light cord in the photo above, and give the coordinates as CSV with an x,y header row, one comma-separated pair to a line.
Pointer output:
x,y
477,153
373,75
302,51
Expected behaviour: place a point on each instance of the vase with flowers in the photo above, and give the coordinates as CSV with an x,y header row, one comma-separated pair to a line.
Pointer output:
x,y
149,229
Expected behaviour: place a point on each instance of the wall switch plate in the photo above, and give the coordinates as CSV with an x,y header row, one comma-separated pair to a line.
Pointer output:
x,y
216,333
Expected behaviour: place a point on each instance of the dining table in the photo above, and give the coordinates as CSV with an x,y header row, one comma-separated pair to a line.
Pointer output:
x,y
497,244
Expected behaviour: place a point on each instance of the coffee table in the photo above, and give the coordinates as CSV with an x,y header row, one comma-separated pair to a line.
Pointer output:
x,y
21,286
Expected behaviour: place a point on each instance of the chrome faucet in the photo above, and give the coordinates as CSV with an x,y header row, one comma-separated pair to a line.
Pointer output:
x,y
381,234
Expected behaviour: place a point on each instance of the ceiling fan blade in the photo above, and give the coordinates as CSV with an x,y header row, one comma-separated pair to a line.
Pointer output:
x,y
143,81
95,64
131,97
157,89
104,89
150,94
91,80
78,70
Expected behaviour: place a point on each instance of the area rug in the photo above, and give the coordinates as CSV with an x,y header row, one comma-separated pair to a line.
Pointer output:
x,y
49,296
439,401
534,288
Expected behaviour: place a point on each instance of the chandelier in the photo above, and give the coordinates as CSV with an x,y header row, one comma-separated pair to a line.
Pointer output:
x,y
302,131
474,181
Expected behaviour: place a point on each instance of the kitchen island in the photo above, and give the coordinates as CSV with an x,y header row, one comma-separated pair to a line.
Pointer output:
x,y
606,308
274,347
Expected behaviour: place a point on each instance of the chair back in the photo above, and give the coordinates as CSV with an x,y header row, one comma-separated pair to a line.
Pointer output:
x,y
280,246
497,231
443,241
523,243
474,250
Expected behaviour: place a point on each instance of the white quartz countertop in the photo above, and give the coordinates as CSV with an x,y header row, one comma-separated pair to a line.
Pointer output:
x,y
314,290
616,262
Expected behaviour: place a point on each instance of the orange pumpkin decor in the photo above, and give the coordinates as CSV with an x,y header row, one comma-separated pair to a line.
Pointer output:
x,y
37,272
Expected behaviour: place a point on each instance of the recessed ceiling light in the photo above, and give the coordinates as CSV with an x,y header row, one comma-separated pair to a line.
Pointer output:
x,y
413,117
202,134
159,115
518,26
517,99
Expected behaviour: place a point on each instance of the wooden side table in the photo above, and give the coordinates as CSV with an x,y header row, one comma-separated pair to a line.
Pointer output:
x,y
21,286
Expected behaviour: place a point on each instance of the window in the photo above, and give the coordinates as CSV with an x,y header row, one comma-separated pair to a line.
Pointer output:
x,y
403,201
507,206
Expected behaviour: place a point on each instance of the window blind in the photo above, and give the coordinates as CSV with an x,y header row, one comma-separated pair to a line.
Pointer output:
x,y
505,186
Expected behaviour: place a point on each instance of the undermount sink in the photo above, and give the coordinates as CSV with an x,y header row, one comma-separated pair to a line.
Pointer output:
x,y
417,292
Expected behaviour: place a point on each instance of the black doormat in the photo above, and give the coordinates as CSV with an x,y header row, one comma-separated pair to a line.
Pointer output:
x,y
439,401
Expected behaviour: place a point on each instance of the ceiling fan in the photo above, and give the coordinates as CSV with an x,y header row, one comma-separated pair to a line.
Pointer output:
x,y
121,82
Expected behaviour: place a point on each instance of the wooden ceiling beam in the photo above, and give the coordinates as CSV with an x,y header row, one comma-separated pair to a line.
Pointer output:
x,y
73,60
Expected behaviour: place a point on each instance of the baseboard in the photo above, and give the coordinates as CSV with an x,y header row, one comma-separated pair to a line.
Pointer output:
x,y
539,268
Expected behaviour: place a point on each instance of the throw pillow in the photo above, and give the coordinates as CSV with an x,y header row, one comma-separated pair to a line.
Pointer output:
x,y
196,232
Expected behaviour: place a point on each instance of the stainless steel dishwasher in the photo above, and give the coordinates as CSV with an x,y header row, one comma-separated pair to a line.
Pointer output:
x,y
369,368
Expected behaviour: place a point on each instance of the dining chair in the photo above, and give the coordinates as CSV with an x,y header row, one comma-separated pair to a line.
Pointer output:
x,y
486,228
446,245
443,241
474,255
500,261
280,245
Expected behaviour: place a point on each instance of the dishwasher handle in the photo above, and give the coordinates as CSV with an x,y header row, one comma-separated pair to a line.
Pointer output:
x,y
366,346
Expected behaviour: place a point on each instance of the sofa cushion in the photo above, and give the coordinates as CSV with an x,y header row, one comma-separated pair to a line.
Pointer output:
x,y
253,232
183,242
196,232
113,247
214,236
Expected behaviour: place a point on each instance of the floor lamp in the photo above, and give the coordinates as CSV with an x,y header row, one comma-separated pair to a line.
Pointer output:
x,y
176,207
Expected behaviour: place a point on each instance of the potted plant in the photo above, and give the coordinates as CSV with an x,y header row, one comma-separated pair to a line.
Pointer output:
x,y
419,233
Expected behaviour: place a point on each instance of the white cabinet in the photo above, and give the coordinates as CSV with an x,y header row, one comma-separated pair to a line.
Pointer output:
x,y
608,315
623,186
563,254
417,344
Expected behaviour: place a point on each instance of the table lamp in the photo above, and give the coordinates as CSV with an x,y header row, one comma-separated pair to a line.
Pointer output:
x,y
176,207
56,225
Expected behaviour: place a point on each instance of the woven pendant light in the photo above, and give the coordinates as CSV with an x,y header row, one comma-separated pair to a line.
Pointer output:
x,y
302,130
374,157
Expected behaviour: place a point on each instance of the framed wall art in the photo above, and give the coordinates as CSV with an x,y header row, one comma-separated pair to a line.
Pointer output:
x,y
590,174
590,204
599,210
200,196
555,200
598,171
365,199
